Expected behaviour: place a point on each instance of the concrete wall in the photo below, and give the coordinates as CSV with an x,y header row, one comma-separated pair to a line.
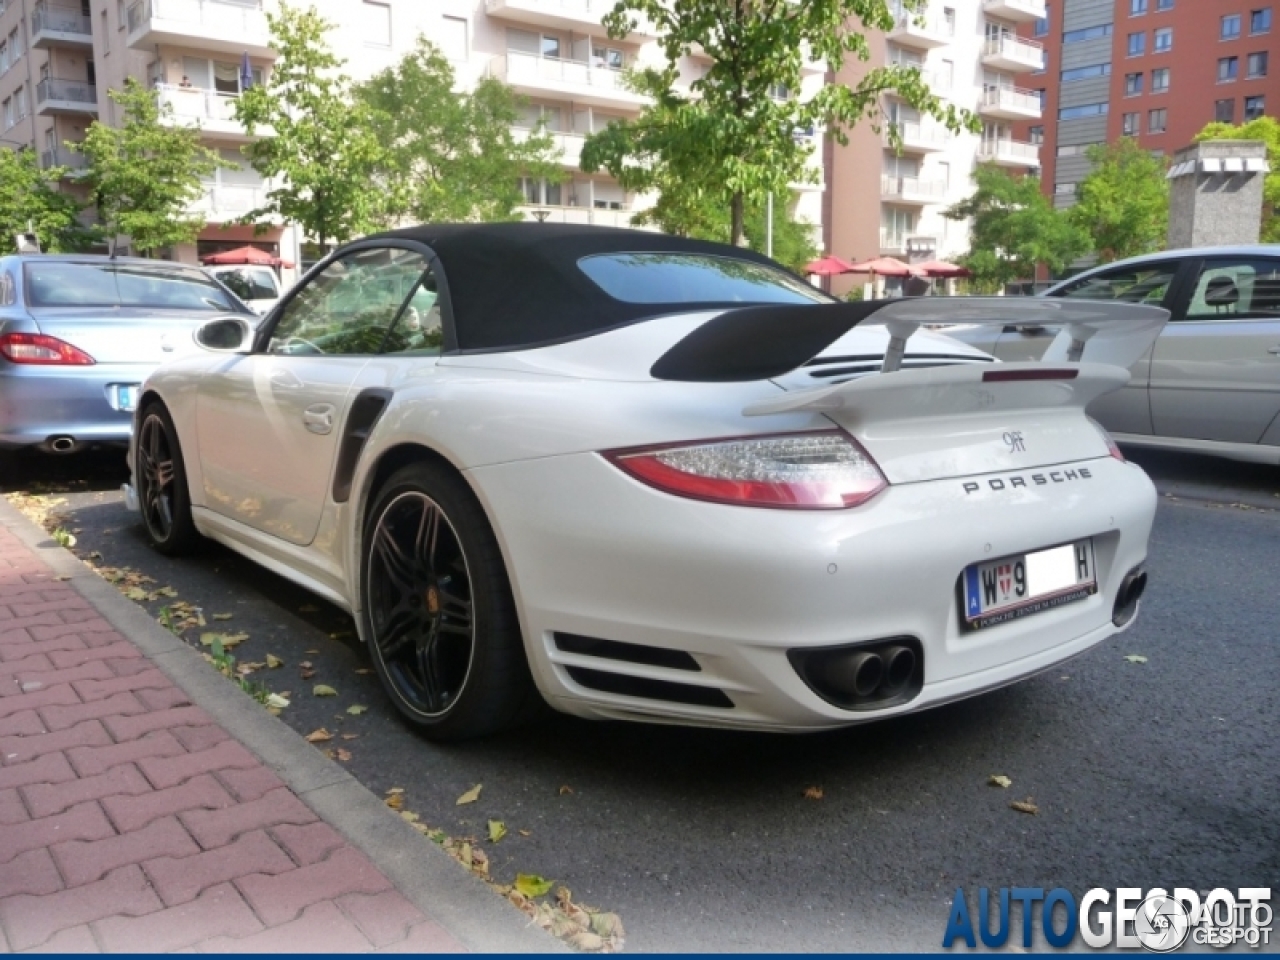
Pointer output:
x,y
1208,209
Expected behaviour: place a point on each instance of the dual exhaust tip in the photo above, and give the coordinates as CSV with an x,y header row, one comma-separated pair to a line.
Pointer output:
x,y
866,676
1132,587
62,444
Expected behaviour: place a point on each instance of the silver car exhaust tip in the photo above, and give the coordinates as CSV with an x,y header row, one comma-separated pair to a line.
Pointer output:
x,y
62,444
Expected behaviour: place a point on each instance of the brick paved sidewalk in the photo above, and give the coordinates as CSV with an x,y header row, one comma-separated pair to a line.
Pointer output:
x,y
131,821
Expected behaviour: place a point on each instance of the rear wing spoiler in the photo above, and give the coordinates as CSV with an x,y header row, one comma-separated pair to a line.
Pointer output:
x,y
759,343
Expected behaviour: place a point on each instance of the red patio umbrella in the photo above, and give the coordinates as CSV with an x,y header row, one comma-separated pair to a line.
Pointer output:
x,y
828,266
246,255
940,268
887,267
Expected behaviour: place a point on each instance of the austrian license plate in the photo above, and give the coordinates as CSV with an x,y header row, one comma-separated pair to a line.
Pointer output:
x,y
123,396
1014,587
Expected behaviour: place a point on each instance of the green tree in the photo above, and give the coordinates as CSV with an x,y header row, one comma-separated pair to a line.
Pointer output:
x,y
30,201
144,174
1013,227
318,144
1266,129
729,136
1123,203
451,155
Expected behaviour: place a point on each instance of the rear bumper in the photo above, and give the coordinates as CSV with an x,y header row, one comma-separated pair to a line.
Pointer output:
x,y
593,553
38,403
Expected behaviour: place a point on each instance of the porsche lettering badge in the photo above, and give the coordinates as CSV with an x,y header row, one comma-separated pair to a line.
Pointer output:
x,y
1015,481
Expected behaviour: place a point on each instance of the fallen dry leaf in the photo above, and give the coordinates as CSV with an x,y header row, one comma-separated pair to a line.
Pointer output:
x,y
471,796
344,755
409,816
497,830
356,709
363,670
221,616
324,690
273,661
813,793
999,780
306,674
1025,806
319,736
525,833
166,592
566,789
276,701
1136,658
350,736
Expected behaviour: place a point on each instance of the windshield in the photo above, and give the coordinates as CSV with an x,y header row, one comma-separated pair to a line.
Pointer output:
x,y
63,284
250,283
694,278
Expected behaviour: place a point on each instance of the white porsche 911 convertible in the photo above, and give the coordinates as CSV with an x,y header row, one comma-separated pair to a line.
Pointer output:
x,y
653,478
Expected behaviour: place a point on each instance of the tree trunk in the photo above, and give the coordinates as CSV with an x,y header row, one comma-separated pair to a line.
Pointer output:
x,y
736,205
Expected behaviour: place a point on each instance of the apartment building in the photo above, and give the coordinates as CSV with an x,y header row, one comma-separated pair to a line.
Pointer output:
x,y
887,201
58,58
1157,70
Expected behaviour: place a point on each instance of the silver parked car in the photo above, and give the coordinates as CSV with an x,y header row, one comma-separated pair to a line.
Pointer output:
x,y
79,333
1211,382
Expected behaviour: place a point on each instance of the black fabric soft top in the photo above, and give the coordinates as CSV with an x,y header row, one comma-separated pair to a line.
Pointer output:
x,y
518,284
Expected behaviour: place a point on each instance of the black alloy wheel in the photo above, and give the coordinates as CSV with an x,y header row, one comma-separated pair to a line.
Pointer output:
x,y
161,480
438,612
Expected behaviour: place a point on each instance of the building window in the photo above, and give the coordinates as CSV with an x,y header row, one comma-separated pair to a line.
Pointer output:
x,y
1160,80
1042,25
1163,40
1224,111
1132,84
1164,4
1137,44
106,37
1228,69
1084,110
1075,149
539,192
1257,65
453,38
120,17
20,102
949,21
1130,125
1088,33
1260,21
7,109
1085,73
15,45
1254,107
1036,134
4,56
1157,120
1065,189
1137,7
1230,27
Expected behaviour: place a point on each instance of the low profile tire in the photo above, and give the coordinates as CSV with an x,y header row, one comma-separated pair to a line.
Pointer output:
x,y
163,495
437,608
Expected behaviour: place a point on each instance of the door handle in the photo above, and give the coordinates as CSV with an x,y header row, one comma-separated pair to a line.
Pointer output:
x,y
318,418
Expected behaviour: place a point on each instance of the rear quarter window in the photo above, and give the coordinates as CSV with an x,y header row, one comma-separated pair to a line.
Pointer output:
x,y
694,278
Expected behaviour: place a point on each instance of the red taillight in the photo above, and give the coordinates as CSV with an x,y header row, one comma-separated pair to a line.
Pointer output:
x,y
39,348
825,470
1112,448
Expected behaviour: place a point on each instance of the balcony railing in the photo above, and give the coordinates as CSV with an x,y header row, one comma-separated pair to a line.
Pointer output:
x,y
66,91
222,202
1023,10
52,19
197,103
913,188
62,157
1012,150
1011,98
600,216
227,25
1014,50
531,69
569,144
917,135
891,239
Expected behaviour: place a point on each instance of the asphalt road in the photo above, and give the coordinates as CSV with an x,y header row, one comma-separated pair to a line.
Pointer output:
x,y
1165,773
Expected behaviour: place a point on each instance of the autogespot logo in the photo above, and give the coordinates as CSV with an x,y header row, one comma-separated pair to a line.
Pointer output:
x,y
1126,918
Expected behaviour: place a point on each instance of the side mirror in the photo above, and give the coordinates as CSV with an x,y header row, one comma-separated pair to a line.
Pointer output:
x,y
225,335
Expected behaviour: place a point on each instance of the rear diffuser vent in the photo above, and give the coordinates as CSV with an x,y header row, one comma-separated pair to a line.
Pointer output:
x,y
626,652
649,689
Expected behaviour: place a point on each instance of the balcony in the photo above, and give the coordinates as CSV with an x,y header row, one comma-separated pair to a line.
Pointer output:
x,y
894,241
213,112
1019,11
569,145
72,160
919,31
55,96
580,16
584,215
222,26
920,137
1009,103
1009,153
53,26
224,203
912,190
584,83
1007,52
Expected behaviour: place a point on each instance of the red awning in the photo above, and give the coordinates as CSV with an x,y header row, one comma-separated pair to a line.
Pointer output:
x,y
887,267
246,255
828,266
940,268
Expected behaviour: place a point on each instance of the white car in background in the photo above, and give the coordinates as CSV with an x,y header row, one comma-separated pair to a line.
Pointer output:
x,y
653,478
258,286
